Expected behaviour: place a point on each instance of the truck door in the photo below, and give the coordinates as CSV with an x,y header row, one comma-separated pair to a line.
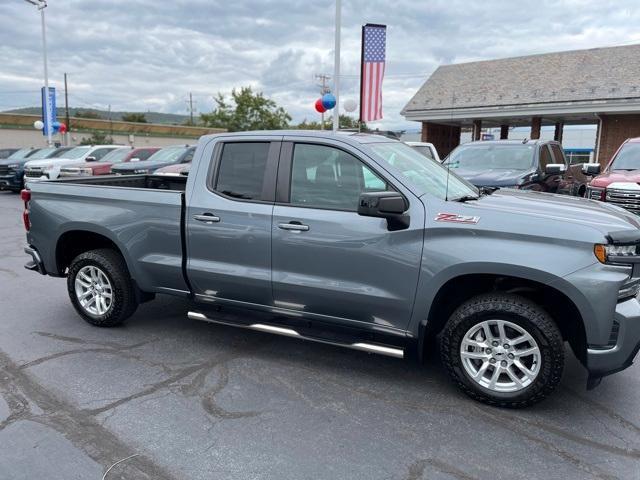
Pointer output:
x,y
229,221
328,260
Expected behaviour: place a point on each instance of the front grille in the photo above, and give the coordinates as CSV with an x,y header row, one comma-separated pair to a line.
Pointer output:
x,y
4,170
594,193
33,173
629,199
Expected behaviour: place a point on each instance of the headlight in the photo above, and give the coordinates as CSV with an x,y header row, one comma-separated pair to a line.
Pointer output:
x,y
614,253
141,170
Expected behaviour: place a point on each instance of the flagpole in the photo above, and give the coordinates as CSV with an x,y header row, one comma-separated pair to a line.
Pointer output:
x,y
336,69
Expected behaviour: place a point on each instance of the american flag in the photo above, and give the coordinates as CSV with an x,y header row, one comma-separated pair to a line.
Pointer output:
x,y
374,39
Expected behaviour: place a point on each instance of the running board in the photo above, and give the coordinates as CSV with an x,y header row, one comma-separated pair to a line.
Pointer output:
x,y
289,332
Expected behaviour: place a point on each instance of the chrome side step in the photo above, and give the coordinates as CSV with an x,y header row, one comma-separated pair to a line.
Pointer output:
x,y
289,332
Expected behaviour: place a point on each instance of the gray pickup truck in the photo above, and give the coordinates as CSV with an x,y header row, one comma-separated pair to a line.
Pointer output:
x,y
355,240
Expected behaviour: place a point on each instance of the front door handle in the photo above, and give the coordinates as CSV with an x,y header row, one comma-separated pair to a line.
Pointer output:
x,y
294,227
207,218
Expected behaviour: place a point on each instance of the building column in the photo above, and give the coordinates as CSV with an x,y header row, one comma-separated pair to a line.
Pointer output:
x,y
557,134
444,137
504,132
536,124
477,129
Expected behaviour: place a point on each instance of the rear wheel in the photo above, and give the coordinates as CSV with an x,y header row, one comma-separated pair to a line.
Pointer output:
x,y
100,288
503,350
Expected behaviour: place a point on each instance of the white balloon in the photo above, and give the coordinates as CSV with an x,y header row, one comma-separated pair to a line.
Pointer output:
x,y
38,124
350,105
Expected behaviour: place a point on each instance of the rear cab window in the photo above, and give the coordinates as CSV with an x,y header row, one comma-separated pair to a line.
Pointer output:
x,y
241,170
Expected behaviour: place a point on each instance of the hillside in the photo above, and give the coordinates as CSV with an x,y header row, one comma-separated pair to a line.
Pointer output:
x,y
152,117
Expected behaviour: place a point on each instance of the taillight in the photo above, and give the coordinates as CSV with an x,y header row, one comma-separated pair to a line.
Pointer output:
x,y
25,195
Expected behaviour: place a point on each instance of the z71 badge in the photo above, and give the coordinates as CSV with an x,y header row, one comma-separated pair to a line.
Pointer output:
x,y
452,217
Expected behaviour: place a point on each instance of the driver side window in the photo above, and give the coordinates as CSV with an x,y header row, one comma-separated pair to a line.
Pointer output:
x,y
330,178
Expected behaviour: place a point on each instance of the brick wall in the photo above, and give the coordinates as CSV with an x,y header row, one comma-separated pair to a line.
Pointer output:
x,y
615,129
444,137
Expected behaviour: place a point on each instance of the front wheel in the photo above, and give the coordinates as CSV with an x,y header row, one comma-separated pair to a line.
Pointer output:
x,y
503,350
100,288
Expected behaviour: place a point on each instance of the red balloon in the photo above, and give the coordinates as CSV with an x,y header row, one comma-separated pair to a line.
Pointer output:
x,y
319,107
63,128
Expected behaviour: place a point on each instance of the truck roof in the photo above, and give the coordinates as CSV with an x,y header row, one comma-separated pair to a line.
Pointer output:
x,y
511,142
341,135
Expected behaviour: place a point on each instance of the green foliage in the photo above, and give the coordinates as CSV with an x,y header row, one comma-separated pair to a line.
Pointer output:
x,y
345,122
134,117
246,110
97,138
87,114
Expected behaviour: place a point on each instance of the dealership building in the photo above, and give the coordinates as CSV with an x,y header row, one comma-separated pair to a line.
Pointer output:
x,y
599,86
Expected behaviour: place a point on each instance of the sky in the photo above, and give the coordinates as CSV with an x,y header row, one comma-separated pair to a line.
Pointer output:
x,y
147,55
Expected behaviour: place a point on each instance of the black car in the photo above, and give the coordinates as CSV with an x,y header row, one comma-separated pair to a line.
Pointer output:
x,y
524,164
162,158
12,167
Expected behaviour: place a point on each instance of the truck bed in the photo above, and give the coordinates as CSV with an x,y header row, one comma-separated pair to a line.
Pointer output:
x,y
142,215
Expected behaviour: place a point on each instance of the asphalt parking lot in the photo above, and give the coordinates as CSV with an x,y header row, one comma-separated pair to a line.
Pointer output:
x,y
188,400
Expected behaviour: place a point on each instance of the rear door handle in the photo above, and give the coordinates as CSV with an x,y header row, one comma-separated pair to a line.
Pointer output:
x,y
295,227
207,218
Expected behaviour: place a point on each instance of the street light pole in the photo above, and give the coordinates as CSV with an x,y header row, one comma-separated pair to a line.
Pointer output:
x,y
336,69
42,4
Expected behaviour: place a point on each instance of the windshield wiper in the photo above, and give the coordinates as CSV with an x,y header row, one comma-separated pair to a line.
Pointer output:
x,y
464,198
237,195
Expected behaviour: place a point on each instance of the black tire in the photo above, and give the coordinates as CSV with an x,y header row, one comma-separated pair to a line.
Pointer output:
x,y
124,301
524,314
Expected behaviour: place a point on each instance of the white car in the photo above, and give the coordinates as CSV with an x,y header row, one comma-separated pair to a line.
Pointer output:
x,y
427,149
49,168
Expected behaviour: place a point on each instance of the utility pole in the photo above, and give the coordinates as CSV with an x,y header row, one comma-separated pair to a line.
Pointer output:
x,y
66,111
110,124
190,102
336,68
323,79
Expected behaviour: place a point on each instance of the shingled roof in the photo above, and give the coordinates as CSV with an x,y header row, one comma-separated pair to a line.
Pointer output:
x,y
584,76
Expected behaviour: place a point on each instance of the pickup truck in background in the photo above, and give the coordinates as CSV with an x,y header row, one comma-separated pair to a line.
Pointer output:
x,y
173,155
354,240
104,165
619,182
427,149
538,165
12,168
49,168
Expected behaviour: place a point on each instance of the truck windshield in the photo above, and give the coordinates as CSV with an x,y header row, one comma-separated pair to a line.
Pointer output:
x,y
167,154
628,158
76,152
44,153
20,154
430,176
116,156
492,157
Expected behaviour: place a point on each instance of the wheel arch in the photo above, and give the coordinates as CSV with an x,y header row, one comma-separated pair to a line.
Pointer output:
x,y
552,293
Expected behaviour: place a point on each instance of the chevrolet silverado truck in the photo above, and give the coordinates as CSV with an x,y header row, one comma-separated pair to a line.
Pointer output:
x,y
618,183
354,240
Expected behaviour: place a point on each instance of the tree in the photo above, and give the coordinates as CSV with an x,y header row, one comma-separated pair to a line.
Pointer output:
x,y
345,122
87,114
134,117
246,110
97,138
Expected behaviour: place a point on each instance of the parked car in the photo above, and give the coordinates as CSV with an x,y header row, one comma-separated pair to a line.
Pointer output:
x,y
618,184
425,148
12,168
174,170
355,241
162,158
49,169
527,165
103,166
6,152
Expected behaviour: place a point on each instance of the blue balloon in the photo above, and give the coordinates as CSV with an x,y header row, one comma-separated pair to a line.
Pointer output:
x,y
56,126
328,101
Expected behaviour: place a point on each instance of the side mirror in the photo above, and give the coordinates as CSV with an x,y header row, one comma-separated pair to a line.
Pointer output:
x,y
90,158
555,169
388,205
591,168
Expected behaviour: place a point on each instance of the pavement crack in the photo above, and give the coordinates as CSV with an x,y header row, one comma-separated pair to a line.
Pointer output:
x,y
417,469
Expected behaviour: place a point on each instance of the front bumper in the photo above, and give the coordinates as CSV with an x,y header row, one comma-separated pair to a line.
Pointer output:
x,y
13,181
623,349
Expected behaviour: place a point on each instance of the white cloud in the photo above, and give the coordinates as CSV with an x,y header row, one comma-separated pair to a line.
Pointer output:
x,y
145,54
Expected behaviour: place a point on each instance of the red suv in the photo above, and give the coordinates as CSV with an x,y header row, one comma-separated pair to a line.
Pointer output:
x,y
619,183
103,166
